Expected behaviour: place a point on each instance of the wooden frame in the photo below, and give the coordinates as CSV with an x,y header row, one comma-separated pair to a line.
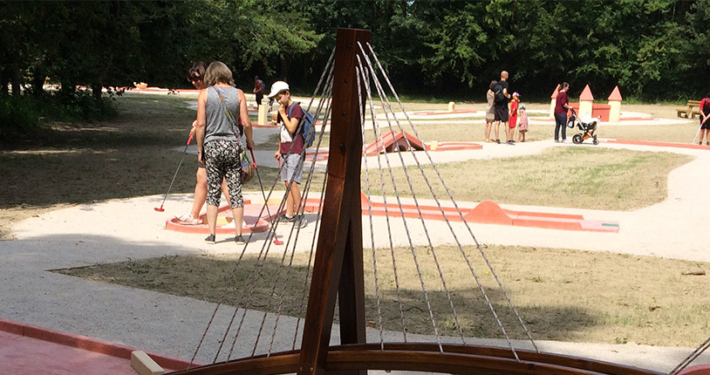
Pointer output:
x,y
338,272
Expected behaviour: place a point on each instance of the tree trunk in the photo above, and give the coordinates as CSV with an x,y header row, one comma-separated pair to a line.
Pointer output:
x,y
16,81
38,82
4,80
96,92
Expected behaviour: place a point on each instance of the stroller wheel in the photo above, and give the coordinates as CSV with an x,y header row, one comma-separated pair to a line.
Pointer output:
x,y
595,141
577,139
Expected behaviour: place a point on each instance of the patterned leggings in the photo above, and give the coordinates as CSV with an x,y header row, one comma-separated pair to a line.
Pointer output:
x,y
222,161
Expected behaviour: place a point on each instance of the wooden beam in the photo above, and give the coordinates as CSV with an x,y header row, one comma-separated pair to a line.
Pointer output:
x,y
338,230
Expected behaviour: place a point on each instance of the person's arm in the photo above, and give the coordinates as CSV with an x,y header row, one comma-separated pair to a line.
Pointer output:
x,y
200,124
291,124
244,117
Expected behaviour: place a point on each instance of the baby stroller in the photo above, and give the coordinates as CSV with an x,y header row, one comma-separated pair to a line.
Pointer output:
x,y
589,128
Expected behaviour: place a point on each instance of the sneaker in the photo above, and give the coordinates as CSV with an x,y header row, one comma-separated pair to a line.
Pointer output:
x,y
210,239
557,141
301,221
188,219
498,141
288,219
239,240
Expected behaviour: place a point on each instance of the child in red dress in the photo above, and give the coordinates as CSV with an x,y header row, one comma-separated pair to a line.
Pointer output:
x,y
513,115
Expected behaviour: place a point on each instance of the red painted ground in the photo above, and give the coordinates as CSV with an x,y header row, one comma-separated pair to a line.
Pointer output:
x,y
32,350
251,212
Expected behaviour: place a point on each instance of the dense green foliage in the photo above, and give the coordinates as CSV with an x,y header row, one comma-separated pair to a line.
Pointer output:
x,y
652,49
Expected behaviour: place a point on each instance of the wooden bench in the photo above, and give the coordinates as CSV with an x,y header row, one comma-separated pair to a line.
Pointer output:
x,y
692,111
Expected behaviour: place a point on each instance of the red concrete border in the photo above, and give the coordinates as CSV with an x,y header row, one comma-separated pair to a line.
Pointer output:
x,y
487,212
696,370
89,344
658,144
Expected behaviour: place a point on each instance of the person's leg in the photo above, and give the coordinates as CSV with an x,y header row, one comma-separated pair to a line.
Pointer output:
x,y
236,202
295,167
295,197
488,130
563,117
225,191
215,174
498,131
200,192
233,181
557,128
289,201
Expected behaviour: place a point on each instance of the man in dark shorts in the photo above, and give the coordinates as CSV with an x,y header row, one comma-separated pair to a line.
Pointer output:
x,y
258,90
501,106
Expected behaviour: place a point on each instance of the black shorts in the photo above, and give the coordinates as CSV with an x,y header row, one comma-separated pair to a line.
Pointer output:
x,y
501,113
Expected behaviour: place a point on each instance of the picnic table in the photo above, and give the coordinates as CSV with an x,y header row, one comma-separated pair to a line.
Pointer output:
x,y
693,109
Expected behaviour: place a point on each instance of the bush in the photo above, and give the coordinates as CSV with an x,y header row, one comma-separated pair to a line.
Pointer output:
x,y
25,115
19,116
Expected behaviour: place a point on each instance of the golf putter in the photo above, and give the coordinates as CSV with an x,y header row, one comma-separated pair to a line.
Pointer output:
x,y
161,209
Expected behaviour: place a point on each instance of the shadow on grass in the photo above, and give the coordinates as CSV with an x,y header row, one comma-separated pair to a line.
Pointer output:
x,y
281,289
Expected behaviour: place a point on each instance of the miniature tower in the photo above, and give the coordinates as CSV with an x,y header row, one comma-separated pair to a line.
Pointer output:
x,y
585,102
615,103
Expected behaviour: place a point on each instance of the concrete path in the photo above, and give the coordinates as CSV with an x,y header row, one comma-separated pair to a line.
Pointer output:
x,y
118,230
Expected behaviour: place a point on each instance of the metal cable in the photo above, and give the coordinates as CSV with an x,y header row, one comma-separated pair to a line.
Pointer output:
x,y
378,142
291,233
327,92
272,230
406,227
358,72
460,214
381,93
691,357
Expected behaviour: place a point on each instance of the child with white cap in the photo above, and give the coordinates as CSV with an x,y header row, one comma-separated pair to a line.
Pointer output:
x,y
290,148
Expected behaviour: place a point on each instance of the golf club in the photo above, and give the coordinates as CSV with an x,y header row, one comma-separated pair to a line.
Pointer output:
x,y
160,209
266,202
696,133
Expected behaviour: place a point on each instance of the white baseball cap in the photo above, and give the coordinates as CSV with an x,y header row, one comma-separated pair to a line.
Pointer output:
x,y
277,87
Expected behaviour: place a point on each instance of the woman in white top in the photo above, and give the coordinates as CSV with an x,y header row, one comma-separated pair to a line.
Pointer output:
x,y
490,109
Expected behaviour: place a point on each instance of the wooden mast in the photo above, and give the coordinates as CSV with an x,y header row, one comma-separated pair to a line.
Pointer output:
x,y
338,267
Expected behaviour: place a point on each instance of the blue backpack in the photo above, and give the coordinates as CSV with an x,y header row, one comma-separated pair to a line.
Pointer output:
x,y
307,131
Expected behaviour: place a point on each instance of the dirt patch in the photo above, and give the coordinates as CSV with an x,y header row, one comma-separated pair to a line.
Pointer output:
x,y
598,297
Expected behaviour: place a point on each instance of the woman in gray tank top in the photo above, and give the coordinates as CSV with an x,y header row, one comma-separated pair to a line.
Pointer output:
x,y
218,145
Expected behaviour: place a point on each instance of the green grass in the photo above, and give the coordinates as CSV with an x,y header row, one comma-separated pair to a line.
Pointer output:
x,y
581,177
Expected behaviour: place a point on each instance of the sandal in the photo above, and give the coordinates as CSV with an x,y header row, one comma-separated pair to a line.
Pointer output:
x,y
188,219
